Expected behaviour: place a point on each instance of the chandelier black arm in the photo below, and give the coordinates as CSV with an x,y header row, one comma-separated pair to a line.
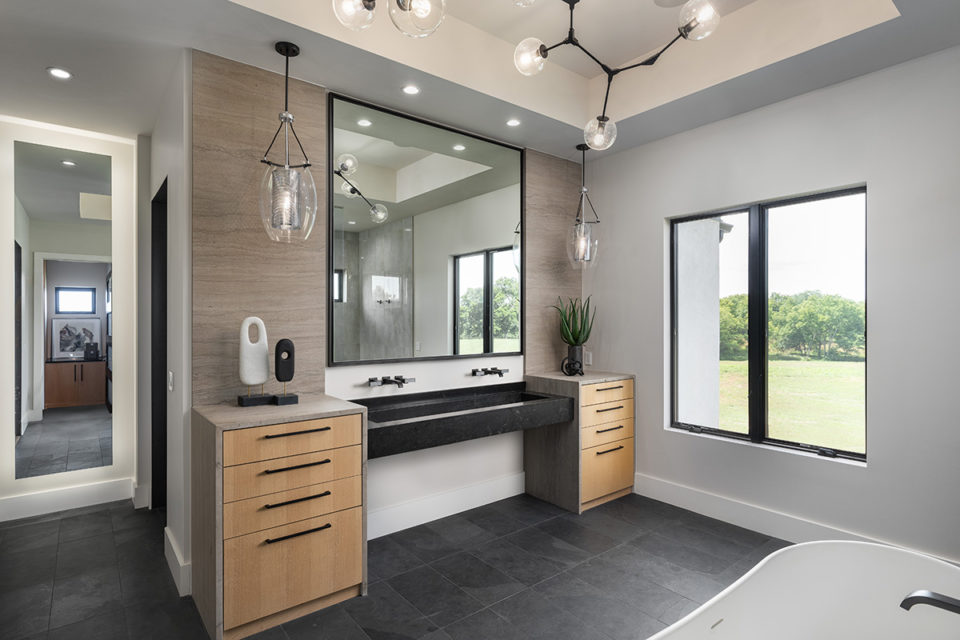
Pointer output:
x,y
592,208
299,144
339,173
649,62
267,152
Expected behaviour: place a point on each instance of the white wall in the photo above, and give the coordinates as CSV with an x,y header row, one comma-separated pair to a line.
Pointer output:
x,y
170,159
77,238
142,495
896,131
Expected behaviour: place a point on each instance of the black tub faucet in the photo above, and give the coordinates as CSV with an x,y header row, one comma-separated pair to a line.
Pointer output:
x,y
491,371
398,380
933,599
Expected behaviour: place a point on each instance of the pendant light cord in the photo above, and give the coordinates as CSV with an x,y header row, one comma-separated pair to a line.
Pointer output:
x,y
286,125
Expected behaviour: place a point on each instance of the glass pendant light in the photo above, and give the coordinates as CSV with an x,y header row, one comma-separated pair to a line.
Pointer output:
x,y
583,244
355,14
288,195
417,18
698,19
379,213
530,56
600,133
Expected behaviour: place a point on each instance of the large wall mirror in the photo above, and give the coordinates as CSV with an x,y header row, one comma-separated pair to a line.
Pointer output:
x,y
440,275
63,310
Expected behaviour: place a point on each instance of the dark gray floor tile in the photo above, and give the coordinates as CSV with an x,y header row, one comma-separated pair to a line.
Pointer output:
x,y
385,615
425,543
85,595
535,618
461,532
79,556
593,542
78,445
31,537
109,626
694,585
600,609
491,519
334,622
546,546
47,469
619,530
25,611
434,596
147,582
517,563
483,625
84,460
527,509
645,517
732,573
386,558
178,619
439,634
745,537
679,611
27,568
705,541
645,595
275,633
682,554
477,578
85,525
139,519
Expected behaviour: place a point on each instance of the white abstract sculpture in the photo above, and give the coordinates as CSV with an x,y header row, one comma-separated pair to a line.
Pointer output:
x,y
254,356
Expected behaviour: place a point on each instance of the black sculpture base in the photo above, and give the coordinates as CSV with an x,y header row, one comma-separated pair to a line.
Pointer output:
x,y
290,398
254,401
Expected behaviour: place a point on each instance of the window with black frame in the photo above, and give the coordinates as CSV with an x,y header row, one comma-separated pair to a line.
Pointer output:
x,y
487,302
769,323
75,300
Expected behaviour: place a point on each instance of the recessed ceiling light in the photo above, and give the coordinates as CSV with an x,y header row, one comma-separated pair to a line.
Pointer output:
x,y
68,163
351,222
459,147
363,122
59,73
513,122
411,89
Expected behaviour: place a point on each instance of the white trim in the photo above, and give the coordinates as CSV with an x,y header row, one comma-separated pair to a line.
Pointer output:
x,y
53,500
57,128
141,496
179,568
402,516
767,521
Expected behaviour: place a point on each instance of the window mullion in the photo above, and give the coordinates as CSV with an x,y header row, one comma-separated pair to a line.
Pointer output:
x,y
757,325
488,302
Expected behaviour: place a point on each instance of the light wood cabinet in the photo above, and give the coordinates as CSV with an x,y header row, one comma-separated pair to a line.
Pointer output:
x,y
74,384
590,460
278,512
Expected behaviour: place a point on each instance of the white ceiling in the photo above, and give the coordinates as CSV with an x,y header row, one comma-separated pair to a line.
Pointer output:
x,y
48,190
124,53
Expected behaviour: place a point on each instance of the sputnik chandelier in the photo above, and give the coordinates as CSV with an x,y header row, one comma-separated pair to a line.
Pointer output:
x,y
347,165
697,20
414,18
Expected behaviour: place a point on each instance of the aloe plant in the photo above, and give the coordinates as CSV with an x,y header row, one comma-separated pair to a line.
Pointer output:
x,y
576,322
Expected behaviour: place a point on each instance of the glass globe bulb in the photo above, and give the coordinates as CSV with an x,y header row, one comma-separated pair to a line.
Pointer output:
x,y
347,164
529,56
379,213
417,18
698,19
288,203
600,133
583,245
350,192
354,14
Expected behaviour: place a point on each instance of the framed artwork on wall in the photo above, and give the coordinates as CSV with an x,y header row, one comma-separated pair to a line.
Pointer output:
x,y
69,335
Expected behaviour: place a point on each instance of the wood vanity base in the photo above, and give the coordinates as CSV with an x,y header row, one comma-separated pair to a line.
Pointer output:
x,y
292,613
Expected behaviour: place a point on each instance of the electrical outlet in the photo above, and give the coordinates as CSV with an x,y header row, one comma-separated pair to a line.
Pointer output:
x,y
587,357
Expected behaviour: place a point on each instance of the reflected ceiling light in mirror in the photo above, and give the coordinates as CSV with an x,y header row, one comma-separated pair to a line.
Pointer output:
x,y
459,147
513,122
379,213
59,73
524,3
354,14
697,20
351,222
414,18
363,122
411,89
288,196
68,163
346,165
582,246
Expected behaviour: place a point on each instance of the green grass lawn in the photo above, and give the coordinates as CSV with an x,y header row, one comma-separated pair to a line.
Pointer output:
x,y
810,402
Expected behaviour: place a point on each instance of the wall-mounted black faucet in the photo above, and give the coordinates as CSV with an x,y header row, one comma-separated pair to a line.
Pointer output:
x,y
933,599
397,380
491,371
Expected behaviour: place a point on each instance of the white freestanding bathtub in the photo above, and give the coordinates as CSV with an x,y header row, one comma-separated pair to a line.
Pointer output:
x,y
826,591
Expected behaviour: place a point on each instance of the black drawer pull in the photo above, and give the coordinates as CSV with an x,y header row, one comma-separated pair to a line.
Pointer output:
x,y
619,386
600,453
299,466
619,406
289,502
610,429
295,535
294,433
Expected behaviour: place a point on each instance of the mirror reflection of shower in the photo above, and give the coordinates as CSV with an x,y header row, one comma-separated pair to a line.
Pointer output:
x,y
64,310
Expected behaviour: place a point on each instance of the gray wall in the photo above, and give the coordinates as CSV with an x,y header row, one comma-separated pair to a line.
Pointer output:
x,y
347,314
76,274
387,329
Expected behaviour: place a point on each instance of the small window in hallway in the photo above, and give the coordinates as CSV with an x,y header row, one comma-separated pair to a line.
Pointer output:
x,y
769,323
76,300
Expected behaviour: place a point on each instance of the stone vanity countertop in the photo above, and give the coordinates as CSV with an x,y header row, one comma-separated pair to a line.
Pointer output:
x,y
589,377
228,415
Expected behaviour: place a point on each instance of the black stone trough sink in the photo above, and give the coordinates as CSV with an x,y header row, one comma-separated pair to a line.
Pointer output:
x,y
409,422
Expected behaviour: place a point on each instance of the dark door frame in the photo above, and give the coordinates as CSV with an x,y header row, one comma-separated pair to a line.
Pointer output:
x,y
158,348
18,337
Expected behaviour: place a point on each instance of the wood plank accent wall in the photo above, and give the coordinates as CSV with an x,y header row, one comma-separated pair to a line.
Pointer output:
x,y
237,270
551,195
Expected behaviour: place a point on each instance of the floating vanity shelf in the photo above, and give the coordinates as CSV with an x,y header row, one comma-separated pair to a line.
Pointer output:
x,y
589,459
402,423
278,512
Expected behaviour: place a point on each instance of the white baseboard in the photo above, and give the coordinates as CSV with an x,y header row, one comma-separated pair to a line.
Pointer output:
x,y
179,568
34,415
141,496
440,505
767,521
42,502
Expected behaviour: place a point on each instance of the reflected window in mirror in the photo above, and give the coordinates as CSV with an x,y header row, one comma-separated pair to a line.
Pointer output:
x,y
76,299
452,199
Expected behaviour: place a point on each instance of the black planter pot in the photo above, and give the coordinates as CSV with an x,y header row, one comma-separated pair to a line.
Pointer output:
x,y
572,365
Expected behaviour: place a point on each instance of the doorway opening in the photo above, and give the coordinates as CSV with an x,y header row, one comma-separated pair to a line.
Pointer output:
x,y
158,347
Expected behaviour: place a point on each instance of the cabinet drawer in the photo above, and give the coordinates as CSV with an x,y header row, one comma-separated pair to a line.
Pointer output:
x,y
241,446
606,392
606,469
283,474
606,412
276,509
603,433
273,570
